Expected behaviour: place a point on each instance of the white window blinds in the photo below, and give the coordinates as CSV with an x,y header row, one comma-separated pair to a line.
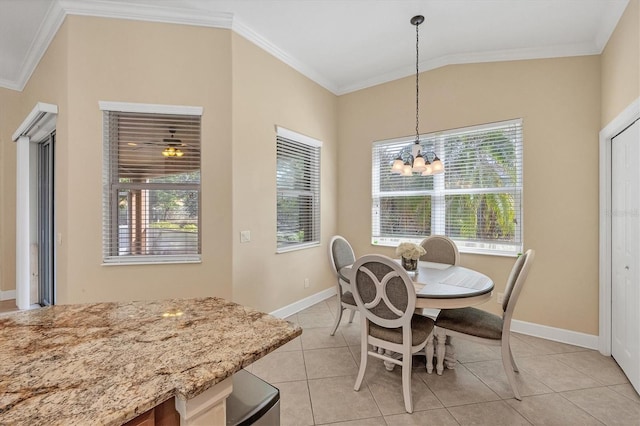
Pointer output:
x,y
298,189
477,201
151,202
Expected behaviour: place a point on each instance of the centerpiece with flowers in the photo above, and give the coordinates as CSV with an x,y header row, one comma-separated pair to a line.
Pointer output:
x,y
410,253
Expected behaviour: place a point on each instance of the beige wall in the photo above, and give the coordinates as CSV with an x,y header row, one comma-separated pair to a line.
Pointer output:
x,y
621,65
128,61
94,59
245,92
266,93
9,113
48,84
559,102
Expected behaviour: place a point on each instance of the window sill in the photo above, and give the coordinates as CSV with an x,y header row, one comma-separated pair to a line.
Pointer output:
x,y
151,260
296,247
514,252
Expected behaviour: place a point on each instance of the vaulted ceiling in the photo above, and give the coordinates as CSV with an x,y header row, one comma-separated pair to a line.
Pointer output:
x,y
343,45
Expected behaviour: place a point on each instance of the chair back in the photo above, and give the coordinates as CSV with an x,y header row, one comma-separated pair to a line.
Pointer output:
x,y
340,253
514,286
440,249
383,291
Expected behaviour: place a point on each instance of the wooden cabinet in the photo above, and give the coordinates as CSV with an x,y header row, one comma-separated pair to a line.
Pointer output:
x,y
164,414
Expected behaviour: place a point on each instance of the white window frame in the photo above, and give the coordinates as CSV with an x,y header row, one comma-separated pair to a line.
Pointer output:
x,y
293,136
149,109
438,197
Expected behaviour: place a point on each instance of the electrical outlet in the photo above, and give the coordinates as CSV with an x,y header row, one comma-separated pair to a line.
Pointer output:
x,y
245,236
500,297
306,283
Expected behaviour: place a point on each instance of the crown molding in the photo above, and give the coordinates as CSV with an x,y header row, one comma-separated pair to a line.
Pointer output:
x,y
560,51
60,9
147,12
46,32
243,30
609,23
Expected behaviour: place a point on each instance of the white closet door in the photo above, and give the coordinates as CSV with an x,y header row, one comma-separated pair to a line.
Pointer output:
x,y
625,245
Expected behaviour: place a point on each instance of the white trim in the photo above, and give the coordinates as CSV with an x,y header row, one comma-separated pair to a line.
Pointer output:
x,y
624,119
147,12
531,329
7,294
150,108
59,9
243,30
561,335
295,136
38,124
34,123
47,31
305,303
582,49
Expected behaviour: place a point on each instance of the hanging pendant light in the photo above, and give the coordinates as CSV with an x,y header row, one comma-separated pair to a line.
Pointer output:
x,y
417,161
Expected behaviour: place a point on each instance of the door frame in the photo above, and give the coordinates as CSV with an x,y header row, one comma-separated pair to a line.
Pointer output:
x,y
617,125
39,124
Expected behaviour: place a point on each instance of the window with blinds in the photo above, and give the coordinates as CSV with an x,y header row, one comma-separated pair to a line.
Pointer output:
x,y
477,201
151,178
298,189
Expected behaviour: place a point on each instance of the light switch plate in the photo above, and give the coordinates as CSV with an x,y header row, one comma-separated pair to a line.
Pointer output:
x,y
245,236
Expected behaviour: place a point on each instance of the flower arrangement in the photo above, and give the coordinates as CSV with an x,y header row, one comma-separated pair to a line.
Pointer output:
x,y
410,251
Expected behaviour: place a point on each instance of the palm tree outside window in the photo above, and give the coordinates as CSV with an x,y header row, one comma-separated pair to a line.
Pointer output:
x,y
477,201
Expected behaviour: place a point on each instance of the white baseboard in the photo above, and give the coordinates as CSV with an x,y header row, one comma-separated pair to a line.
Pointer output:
x,y
7,294
561,335
300,305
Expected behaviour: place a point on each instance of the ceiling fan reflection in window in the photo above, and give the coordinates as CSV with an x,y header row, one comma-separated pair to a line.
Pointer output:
x,y
172,149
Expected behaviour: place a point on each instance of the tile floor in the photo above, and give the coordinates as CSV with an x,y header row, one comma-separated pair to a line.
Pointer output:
x,y
561,384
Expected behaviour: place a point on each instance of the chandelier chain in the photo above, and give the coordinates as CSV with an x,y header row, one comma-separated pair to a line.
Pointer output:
x,y
417,88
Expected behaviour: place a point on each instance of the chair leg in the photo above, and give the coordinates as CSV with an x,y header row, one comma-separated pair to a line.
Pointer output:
x,y
338,315
407,363
429,353
351,315
508,369
440,350
364,354
513,361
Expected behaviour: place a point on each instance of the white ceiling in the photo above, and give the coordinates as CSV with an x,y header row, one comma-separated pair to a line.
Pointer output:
x,y
343,45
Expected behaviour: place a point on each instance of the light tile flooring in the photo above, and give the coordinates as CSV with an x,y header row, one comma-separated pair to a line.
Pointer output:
x,y
561,384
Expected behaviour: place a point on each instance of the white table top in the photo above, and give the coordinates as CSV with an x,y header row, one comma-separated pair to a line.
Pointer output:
x,y
448,286
443,286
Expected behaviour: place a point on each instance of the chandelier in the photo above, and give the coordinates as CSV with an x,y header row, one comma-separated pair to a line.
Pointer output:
x,y
417,161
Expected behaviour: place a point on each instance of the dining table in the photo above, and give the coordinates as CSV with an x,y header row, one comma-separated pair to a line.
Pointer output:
x,y
444,286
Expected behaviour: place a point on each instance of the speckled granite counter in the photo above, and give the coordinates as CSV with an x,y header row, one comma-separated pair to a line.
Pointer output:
x,y
106,363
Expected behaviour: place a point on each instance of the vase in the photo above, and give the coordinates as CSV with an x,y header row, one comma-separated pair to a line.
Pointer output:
x,y
409,264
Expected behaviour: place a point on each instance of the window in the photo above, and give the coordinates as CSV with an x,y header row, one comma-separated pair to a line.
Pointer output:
x,y
477,201
298,187
151,183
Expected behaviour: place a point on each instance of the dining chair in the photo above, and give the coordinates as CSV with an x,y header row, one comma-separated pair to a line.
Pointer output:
x,y
386,300
440,249
487,328
341,257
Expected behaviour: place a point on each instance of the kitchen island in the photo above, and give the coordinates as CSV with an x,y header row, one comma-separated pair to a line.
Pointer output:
x,y
107,363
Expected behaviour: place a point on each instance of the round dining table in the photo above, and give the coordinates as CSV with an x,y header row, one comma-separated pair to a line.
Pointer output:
x,y
444,286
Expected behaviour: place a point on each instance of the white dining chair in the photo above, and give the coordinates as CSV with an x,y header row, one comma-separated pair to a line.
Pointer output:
x,y
440,249
341,256
386,299
487,328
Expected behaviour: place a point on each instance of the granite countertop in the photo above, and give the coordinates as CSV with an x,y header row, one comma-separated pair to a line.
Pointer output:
x,y
106,363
